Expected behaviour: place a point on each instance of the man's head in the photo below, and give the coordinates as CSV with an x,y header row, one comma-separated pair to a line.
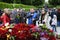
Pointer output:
x,y
32,10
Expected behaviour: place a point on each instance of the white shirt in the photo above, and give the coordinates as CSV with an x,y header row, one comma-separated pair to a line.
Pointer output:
x,y
54,21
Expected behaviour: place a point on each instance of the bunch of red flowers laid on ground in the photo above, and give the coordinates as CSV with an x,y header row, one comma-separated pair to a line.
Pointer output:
x,y
27,32
3,33
22,31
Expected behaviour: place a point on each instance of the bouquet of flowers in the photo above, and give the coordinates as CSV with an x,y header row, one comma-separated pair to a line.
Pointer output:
x,y
46,34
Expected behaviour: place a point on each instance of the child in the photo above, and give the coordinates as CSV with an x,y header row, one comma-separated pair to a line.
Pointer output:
x,y
54,23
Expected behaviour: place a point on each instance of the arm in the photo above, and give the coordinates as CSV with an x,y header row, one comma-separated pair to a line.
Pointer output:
x,y
35,16
29,15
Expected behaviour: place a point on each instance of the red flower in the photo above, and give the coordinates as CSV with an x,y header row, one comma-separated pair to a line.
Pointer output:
x,y
3,33
46,36
14,31
52,38
22,30
51,30
32,26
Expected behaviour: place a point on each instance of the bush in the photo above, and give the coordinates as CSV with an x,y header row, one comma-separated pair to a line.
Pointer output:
x,y
58,6
11,6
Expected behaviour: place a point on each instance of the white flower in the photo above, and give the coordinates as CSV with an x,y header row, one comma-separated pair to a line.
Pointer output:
x,y
10,30
6,24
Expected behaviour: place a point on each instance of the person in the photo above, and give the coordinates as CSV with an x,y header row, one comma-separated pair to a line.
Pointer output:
x,y
17,19
22,14
58,17
38,11
54,23
13,15
32,17
54,12
5,17
1,12
48,19
46,7
42,15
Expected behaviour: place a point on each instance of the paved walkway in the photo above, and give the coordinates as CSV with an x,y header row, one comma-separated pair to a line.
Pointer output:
x,y
58,30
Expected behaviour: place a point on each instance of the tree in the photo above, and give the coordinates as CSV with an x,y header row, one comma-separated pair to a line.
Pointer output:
x,y
8,1
17,1
27,2
33,2
54,2
0,0
38,2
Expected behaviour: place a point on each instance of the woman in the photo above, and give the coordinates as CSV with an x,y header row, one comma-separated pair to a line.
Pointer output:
x,y
43,15
5,18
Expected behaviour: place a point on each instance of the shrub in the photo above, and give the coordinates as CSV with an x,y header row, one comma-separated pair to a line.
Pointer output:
x,y
11,6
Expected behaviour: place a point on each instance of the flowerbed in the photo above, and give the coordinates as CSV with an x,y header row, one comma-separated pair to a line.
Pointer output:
x,y
26,32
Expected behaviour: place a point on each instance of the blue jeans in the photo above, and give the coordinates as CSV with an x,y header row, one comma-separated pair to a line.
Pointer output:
x,y
54,28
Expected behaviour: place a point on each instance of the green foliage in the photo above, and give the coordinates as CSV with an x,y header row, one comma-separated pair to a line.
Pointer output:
x,y
58,6
54,2
8,1
38,2
0,0
27,2
7,5
33,2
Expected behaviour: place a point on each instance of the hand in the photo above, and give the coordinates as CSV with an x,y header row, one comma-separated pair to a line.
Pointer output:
x,y
31,14
33,19
23,18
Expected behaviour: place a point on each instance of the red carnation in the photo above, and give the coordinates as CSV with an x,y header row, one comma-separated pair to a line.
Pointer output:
x,y
52,38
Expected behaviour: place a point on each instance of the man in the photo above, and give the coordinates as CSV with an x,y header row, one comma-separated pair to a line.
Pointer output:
x,y
32,17
22,15
13,15
54,12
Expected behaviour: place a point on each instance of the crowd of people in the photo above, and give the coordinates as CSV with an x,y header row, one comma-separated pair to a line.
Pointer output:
x,y
50,16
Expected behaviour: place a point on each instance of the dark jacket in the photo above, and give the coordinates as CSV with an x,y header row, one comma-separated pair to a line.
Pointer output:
x,y
22,17
31,16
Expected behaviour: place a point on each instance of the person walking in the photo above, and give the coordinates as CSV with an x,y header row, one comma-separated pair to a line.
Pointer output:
x,y
54,23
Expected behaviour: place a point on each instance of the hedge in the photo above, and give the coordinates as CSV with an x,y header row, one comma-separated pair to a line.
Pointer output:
x,y
7,5
27,7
